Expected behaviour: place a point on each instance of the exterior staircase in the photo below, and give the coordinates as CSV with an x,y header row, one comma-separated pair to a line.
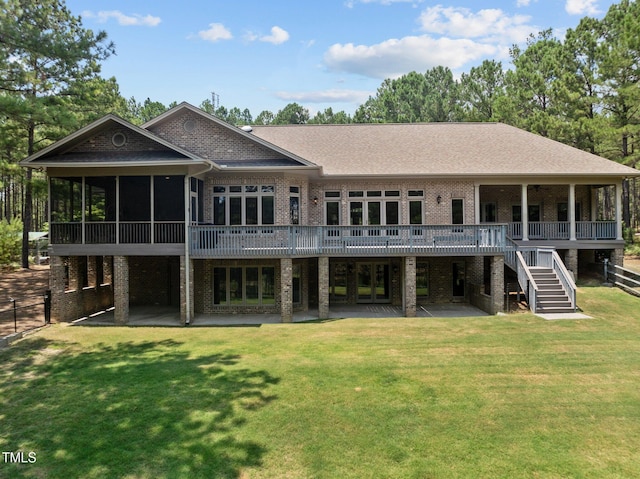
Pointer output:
x,y
551,297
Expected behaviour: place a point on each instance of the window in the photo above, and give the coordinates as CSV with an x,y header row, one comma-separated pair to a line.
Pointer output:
x,y
294,205
415,207
534,212
338,285
516,213
374,210
244,286
422,281
457,211
488,213
248,205
563,212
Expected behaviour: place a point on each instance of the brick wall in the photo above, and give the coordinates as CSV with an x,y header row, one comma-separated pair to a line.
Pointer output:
x,y
102,142
210,140
72,301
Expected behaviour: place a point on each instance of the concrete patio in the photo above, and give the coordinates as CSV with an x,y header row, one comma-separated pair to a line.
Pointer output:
x,y
167,317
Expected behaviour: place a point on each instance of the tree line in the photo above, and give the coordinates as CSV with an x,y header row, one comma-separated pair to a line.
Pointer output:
x,y
582,90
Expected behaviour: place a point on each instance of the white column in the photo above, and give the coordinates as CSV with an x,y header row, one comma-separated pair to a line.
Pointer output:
x,y
619,211
572,212
524,212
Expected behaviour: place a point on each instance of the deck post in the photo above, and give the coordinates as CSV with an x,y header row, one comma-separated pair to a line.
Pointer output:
x,y
286,290
410,286
323,287
497,284
524,212
121,289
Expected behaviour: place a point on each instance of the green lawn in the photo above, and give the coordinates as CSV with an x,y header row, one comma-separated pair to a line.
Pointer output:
x,y
492,397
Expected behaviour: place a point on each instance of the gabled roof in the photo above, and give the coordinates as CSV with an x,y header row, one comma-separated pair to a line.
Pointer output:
x,y
436,149
290,158
61,153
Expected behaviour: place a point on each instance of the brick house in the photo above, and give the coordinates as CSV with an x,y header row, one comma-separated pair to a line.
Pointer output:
x,y
206,218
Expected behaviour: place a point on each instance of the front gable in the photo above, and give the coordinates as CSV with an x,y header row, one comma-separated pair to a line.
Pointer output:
x,y
111,141
225,144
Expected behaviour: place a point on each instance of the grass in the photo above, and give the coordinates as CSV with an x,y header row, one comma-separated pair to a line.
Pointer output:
x,y
496,397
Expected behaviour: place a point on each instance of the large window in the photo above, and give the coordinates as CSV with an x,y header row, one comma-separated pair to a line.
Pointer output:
x,y
374,207
244,205
244,286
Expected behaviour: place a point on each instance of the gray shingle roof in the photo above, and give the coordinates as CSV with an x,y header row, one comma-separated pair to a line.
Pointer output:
x,y
435,149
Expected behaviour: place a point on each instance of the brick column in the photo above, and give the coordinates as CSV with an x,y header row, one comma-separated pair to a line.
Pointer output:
x,y
410,286
183,290
107,267
617,257
571,262
497,284
92,271
56,285
121,289
323,287
286,290
74,274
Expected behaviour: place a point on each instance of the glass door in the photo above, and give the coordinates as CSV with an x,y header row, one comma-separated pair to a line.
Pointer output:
x,y
373,283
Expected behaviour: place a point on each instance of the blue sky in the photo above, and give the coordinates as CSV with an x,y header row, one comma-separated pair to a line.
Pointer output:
x,y
264,54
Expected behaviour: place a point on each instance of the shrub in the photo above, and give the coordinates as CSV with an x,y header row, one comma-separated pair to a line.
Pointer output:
x,y
10,241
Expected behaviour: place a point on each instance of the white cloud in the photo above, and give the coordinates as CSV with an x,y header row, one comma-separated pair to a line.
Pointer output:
x,y
523,3
325,96
489,24
278,36
216,32
581,7
393,58
122,19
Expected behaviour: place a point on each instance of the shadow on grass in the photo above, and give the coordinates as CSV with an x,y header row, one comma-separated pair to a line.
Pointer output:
x,y
149,409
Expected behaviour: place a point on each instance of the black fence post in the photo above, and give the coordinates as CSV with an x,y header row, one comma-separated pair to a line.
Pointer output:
x,y
47,306
15,316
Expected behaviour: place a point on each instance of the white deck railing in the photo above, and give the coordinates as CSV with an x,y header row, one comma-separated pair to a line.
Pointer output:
x,y
266,241
561,230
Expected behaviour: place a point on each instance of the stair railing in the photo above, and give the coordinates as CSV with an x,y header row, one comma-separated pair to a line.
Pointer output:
x,y
526,281
549,258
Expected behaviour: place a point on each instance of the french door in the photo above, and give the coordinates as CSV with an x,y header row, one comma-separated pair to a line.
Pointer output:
x,y
373,283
